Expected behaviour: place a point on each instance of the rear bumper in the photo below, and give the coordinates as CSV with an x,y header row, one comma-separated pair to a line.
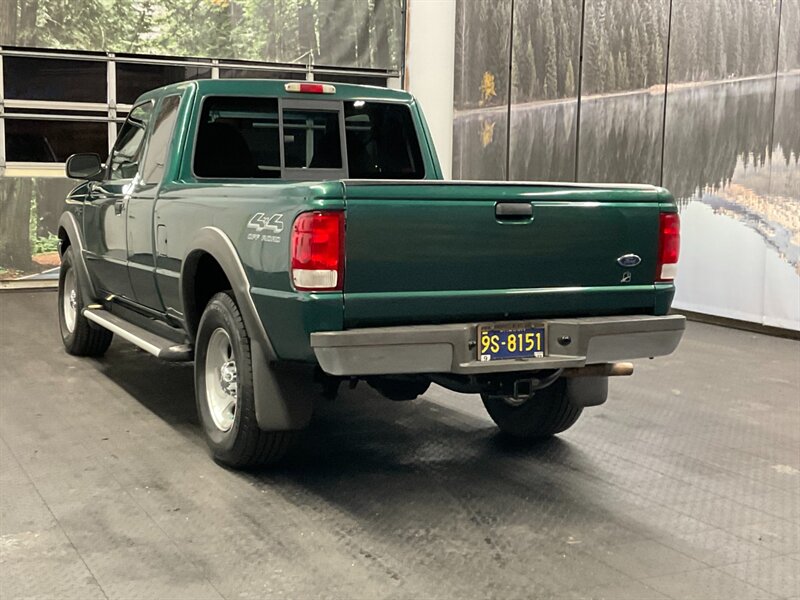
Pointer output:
x,y
451,348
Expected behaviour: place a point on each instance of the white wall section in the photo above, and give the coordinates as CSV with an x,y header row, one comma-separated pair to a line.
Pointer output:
x,y
430,65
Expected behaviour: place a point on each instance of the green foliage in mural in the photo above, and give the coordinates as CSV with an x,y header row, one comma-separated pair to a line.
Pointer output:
x,y
30,208
355,33
723,39
41,242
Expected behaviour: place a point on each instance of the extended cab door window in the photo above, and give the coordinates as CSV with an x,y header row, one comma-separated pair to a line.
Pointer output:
x,y
126,154
158,147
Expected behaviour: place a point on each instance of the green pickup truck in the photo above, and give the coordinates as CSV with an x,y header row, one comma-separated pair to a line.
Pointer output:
x,y
291,236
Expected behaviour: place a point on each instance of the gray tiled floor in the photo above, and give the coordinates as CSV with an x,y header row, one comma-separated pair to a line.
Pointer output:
x,y
686,484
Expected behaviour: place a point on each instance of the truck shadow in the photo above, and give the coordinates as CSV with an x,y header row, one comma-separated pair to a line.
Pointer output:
x,y
165,389
408,466
359,431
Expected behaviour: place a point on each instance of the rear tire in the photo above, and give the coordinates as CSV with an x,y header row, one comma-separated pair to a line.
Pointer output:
x,y
80,337
548,412
224,390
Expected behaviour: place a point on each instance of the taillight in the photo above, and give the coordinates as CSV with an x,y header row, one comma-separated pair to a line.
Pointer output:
x,y
318,251
669,246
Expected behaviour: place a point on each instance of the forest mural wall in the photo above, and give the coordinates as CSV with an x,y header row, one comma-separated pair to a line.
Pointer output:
x,y
350,33
701,96
355,34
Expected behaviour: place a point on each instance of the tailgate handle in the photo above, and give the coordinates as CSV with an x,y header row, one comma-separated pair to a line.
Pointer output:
x,y
513,211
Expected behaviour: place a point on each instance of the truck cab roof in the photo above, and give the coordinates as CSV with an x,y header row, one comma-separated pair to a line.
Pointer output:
x,y
276,88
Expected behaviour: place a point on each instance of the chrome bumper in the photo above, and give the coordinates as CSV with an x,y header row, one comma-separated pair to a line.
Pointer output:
x,y
571,343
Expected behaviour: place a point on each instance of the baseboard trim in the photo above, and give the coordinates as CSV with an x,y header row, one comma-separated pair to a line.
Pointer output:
x,y
738,324
29,285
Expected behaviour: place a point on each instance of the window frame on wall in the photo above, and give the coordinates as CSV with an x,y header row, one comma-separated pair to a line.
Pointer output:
x,y
113,113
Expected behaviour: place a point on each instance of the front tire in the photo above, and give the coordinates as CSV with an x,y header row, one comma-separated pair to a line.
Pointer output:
x,y
80,337
224,390
548,412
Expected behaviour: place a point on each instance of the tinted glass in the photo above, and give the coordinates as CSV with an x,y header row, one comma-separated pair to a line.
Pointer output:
x,y
226,73
357,79
311,139
53,141
54,79
124,160
158,147
134,79
381,141
238,138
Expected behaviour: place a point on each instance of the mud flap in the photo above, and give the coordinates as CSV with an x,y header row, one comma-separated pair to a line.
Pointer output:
x,y
283,392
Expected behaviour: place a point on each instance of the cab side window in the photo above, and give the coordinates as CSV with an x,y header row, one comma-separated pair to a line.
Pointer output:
x,y
156,159
126,154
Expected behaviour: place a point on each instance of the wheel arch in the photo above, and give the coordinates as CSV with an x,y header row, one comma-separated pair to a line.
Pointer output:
x,y
212,249
69,235
280,402
196,291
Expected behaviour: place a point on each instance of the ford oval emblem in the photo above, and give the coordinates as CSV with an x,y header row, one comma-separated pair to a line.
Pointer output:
x,y
629,260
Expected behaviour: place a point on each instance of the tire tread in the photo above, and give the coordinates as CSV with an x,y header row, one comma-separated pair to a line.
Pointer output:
x,y
86,339
547,413
252,446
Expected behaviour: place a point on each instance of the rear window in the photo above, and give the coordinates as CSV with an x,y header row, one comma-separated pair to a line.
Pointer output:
x,y
312,139
240,138
381,141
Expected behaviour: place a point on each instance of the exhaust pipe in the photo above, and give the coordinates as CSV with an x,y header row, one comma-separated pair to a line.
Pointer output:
x,y
620,369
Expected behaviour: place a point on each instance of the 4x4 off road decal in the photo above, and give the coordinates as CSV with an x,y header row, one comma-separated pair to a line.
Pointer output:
x,y
261,222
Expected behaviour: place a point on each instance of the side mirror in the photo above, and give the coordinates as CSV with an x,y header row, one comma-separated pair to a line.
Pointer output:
x,y
84,166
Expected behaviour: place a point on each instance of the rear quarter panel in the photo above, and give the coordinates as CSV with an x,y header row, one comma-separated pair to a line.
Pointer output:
x,y
240,210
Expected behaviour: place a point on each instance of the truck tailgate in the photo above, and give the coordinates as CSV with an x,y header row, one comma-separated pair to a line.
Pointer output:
x,y
435,252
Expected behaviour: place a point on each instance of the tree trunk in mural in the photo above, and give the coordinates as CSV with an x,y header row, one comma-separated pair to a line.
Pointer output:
x,y
15,215
363,34
8,21
327,34
27,23
50,194
306,24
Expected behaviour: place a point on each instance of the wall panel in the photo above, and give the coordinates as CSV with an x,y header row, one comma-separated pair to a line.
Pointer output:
x,y
622,92
717,160
782,210
544,90
483,38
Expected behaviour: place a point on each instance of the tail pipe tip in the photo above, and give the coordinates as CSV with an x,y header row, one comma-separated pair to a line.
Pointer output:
x,y
620,369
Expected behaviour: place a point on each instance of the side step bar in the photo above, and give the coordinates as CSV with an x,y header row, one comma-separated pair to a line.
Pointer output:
x,y
156,345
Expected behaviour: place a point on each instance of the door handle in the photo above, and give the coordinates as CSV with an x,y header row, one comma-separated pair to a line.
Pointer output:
x,y
118,206
513,211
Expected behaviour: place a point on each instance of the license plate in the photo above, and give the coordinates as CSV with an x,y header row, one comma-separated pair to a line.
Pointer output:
x,y
503,342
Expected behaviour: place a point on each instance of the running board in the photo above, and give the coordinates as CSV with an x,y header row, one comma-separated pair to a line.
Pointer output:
x,y
158,346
